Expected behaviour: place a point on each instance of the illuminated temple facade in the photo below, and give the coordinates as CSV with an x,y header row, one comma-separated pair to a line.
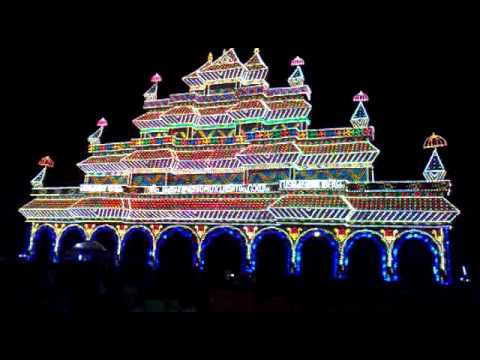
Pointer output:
x,y
235,156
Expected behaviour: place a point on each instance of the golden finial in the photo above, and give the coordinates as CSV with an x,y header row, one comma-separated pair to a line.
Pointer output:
x,y
210,57
256,51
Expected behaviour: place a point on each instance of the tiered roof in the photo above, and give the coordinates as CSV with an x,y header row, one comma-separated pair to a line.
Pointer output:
x,y
263,146
302,154
344,206
228,67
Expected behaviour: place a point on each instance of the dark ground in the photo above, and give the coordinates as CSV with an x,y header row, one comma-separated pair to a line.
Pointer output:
x,y
78,289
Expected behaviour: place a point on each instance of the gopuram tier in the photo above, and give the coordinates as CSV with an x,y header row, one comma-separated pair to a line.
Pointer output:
x,y
234,154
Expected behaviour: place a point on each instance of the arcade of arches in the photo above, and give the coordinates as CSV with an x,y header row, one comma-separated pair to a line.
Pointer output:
x,y
313,253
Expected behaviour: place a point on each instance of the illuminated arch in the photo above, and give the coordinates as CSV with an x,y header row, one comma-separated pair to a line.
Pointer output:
x,y
163,238
112,229
368,234
418,233
233,232
377,239
52,238
428,240
33,234
45,225
323,235
229,227
65,232
259,237
138,228
184,227
101,227
275,229
70,226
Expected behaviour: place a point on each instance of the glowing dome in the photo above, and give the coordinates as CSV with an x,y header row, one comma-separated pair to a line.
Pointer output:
x,y
156,78
102,122
435,141
46,162
361,97
298,61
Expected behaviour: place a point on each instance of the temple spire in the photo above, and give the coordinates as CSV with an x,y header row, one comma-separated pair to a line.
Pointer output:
x,y
45,162
360,118
96,137
297,78
435,170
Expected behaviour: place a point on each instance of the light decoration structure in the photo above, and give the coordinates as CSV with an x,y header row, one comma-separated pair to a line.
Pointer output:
x,y
152,93
235,156
360,118
46,162
435,170
96,137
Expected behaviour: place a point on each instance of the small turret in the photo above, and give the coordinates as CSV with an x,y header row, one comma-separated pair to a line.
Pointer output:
x,y
360,118
45,162
435,170
152,93
96,137
297,78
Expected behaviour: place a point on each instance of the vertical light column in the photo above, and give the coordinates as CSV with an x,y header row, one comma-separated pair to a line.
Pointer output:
x,y
59,229
89,230
251,233
341,236
33,231
201,231
441,237
389,237
122,230
295,233
156,230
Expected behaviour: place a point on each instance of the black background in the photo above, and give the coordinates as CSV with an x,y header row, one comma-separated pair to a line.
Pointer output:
x,y
63,71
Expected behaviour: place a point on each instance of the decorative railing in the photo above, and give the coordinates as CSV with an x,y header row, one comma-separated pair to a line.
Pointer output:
x,y
189,97
400,187
184,97
231,96
393,189
155,104
301,90
255,136
44,191
109,148
251,90
340,132
216,98
157,141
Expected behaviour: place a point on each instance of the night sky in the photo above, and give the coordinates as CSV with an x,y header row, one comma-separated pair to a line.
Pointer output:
x,y
60,82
